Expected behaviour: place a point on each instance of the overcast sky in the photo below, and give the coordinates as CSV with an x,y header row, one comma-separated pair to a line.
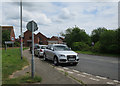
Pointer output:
x,y
55,17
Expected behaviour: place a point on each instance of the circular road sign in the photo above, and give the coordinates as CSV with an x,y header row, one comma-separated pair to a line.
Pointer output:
x,y
29,26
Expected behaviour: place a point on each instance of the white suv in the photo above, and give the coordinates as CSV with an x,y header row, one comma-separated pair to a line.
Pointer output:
x,y
60,53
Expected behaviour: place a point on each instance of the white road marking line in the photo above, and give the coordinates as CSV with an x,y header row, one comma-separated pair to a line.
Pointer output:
x,y
101,77
60,69
94,79
116,81
65,68
70,72
81,75
76,71
86,74
110,83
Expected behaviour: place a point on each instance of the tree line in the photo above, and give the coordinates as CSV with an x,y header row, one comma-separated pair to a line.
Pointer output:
x,y
101,40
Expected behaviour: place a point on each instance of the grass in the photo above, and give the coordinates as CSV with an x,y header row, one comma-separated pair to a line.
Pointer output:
x,y
11,62
24,79
96,53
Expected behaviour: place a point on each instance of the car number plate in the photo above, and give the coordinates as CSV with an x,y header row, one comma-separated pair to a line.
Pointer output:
x,y
71,59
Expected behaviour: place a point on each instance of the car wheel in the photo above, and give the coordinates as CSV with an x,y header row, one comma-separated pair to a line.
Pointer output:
x,y
75,64
38,55
44,57
56,63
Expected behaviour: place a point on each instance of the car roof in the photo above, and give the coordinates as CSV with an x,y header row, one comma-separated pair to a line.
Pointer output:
x,y
42,45
59,44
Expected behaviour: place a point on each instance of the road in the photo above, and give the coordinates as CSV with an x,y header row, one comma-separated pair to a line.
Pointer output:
x,y
98,65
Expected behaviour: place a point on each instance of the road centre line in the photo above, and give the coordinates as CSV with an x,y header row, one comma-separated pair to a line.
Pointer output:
x,y
94,79
101,77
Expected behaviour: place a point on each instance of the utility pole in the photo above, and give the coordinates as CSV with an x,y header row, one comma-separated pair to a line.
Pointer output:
x,y
32,60
21,29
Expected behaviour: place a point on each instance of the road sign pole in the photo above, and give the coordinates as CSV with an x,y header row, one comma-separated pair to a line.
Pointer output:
x,y
32,60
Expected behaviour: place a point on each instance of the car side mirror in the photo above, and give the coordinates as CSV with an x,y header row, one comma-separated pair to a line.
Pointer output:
x,y
52,49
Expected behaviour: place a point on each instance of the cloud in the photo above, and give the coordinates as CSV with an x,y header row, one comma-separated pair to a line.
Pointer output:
x,y
52,18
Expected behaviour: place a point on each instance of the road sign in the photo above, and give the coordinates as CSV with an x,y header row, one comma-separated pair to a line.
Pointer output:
x,y
32,26
29,25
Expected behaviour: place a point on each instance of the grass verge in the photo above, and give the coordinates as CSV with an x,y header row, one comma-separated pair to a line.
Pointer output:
x,y
24,80
11,62
96,53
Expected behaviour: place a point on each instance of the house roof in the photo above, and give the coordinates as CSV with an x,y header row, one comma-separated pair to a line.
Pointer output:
x,y
7,28
41,34
54,38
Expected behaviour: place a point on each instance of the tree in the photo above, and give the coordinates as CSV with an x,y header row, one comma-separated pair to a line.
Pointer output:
x,y
96,34
5,36
108,42
76,35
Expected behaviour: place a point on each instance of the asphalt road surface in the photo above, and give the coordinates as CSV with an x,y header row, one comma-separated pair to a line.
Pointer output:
x,y
98,65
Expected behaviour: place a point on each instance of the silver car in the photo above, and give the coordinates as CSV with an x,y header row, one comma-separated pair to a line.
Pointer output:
x,y
60,53
39,50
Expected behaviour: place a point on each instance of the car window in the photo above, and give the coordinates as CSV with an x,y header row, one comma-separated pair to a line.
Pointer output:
x,y
61,48
43,47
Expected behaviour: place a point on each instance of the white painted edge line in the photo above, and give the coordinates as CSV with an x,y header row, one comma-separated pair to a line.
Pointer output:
x,y
86,74
101,77
70,72
60,69
81,75
110,83
116,81
94,79
76,71
65,68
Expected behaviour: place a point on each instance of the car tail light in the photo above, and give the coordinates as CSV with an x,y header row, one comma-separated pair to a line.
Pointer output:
x,y
40,50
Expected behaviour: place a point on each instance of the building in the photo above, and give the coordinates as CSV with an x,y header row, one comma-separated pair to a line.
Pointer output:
x,y
55,40
11,30
38,38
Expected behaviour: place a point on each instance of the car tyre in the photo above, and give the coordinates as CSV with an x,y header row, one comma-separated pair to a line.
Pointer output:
x,y
75,64
38,55
56,63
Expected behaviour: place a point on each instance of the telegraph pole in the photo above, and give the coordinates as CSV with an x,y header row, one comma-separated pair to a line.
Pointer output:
x,y
21,29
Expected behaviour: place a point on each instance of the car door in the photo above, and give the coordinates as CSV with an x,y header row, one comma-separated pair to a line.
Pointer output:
x,y
37,50
51,53
47,52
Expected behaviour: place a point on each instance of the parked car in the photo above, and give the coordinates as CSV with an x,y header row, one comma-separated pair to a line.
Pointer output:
x,y
40,50
60,53
35,46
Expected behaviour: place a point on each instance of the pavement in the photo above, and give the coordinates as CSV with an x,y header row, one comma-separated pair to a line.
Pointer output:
x,y
48,73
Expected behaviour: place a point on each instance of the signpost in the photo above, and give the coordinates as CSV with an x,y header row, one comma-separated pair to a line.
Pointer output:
x,y
32,26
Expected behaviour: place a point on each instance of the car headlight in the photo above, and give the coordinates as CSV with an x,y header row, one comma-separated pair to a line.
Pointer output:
x,y
60,55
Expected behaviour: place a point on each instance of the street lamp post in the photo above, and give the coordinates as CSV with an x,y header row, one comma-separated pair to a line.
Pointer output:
x,y
21,29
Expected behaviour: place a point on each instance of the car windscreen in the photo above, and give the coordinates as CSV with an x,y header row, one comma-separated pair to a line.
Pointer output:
x,y
43,47
61,48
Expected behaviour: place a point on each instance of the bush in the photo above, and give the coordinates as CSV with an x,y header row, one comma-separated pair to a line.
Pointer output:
x,y
17,44
96,47
80,46
113,48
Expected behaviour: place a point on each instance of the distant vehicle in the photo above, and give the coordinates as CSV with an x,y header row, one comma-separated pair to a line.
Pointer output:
x,y
60,53
35,46
39,50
